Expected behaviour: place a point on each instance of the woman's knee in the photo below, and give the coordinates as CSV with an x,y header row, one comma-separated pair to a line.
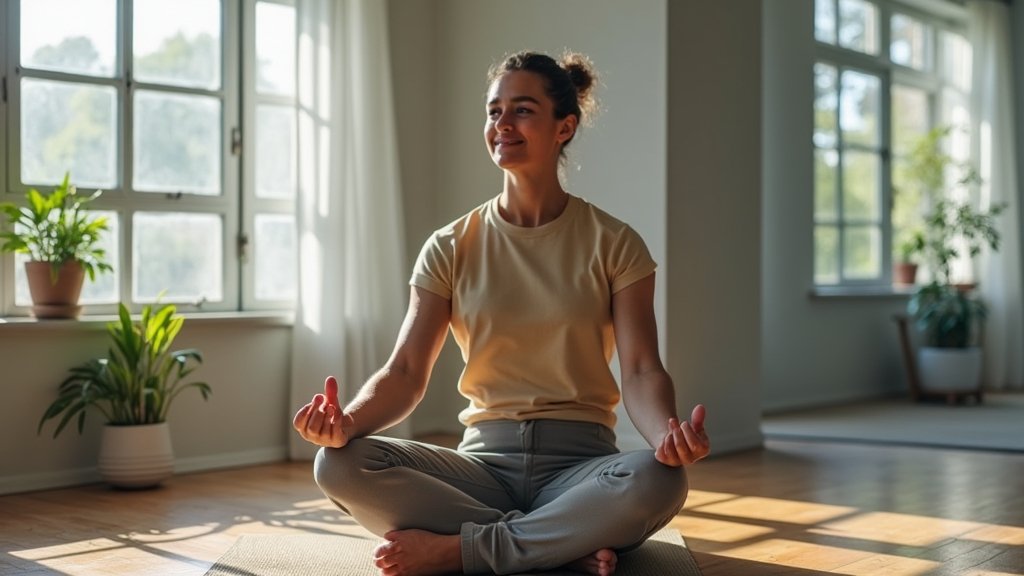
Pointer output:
x,y
654,486
342,471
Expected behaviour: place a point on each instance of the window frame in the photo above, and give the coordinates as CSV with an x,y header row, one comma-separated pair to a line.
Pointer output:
x,y
251,203
6,259
890,74
237,196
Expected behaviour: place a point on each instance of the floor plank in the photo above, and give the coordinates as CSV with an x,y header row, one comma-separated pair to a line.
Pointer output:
x,y
793,508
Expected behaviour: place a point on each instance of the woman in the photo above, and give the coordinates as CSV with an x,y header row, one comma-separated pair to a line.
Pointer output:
x,y
538,287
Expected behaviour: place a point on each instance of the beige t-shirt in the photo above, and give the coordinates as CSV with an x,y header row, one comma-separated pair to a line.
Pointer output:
x,y
531,309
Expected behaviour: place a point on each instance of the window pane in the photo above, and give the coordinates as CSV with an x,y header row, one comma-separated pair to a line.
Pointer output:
x,y
180,254
862,252
862,197
275,151
177,143
825,162
910,113
858,26
68,126
82,40
826,101
826,255
907,204
911,42
275,49
956,113
104,290
957,55
276,257
860,108
825,21
177,42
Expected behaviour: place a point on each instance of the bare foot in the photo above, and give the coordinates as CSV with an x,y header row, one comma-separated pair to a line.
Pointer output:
x,y
600,563
419,553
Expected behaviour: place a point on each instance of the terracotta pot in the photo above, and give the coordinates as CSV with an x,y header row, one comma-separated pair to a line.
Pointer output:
x,y
55,297
136,456
904,273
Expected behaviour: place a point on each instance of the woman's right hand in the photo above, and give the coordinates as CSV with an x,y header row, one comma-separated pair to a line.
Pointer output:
x,y
322,421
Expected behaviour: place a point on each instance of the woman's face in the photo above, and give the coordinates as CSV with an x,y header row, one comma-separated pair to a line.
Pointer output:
x,y
521,128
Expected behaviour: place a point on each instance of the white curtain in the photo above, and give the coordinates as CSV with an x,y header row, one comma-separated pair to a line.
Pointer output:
x,y
352,277
995,151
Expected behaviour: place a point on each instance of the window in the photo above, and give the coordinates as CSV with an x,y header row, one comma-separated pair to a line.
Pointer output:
x,y
885,74
190,139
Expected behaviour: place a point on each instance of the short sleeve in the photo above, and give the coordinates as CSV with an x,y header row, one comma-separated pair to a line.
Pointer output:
x,y
629,260
433,268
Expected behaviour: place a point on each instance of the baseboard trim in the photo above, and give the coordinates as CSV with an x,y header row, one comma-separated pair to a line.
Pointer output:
x,y
48,480
83,476
230,460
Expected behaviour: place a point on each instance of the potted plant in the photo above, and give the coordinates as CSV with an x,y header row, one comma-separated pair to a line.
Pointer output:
x,y
905,268
133,387
949,316
62,242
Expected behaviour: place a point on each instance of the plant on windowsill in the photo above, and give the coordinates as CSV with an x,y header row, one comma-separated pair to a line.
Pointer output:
x,y
950,316
133,387
905,267
62,242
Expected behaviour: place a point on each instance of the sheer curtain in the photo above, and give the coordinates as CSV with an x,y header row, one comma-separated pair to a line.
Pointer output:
x,y
352,281
1000,273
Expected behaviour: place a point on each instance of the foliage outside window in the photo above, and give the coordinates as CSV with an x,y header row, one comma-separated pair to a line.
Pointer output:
x,y
147,101
885,74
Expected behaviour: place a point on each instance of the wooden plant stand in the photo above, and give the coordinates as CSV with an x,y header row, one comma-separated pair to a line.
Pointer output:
x,y
917,392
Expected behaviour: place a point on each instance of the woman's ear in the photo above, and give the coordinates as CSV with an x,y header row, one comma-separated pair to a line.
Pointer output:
x,y
567,129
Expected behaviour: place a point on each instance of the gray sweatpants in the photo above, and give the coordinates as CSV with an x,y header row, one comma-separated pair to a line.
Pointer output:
x,y
531,495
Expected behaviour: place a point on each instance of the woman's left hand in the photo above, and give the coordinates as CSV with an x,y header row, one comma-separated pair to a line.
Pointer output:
x,y
684,443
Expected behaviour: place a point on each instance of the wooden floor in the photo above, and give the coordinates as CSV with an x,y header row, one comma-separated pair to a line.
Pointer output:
x,y
797,509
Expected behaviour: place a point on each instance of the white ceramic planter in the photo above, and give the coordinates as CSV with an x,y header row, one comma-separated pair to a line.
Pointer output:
x,y
950,369
136,456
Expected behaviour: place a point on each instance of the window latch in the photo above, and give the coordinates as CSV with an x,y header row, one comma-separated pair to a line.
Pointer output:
x,y
236,141
243,246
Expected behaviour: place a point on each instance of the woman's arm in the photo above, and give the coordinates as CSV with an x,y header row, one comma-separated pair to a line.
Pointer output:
x,y
394,391
647,389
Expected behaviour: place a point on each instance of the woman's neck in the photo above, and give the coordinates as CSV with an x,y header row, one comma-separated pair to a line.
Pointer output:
x,y
531,202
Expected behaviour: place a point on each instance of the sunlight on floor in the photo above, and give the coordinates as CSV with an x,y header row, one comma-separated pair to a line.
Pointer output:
x,y
185,550
756,530
839,539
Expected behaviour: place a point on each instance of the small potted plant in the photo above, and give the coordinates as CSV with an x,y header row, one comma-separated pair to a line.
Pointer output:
x,y
905,268
133,387
61,240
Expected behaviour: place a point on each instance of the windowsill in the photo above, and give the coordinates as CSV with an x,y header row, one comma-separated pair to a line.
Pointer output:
x,y
100,321
862,292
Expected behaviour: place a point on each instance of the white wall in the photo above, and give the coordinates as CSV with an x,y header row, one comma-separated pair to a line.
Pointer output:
x,y
817,351
246,420
714,215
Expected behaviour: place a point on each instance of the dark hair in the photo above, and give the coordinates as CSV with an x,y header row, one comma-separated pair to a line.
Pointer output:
x,y
568,82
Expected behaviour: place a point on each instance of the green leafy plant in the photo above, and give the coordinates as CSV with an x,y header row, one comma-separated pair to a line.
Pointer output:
x,y
911,246
947,315
56,228
139,379
951,222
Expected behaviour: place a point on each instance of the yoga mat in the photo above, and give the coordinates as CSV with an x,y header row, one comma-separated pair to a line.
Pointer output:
x,y
337,555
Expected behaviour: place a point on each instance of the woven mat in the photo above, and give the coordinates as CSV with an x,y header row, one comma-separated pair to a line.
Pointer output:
x,y
335,555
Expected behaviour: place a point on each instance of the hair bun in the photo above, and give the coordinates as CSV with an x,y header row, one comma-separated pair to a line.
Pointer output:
x,y
583,76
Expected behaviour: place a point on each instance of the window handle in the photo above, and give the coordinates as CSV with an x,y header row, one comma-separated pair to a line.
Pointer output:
x,y
236,141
